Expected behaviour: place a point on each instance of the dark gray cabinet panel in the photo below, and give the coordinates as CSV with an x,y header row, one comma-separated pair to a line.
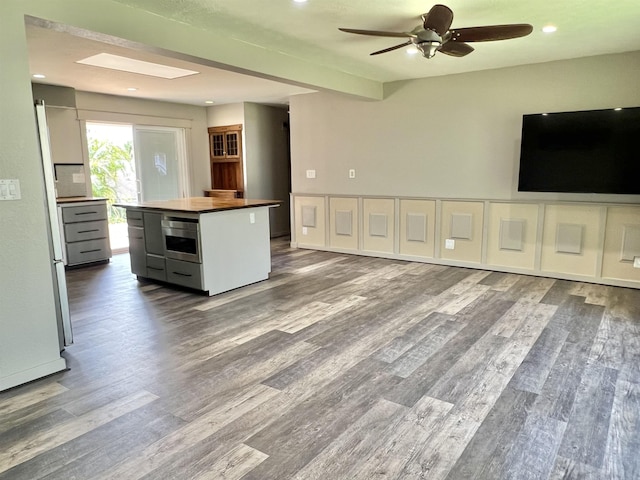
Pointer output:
x,y
137,251
153,233
187,274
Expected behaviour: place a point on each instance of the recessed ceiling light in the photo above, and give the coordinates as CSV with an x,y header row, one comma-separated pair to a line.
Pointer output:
x,y
38,75
131,65
412,50
132,89
549,28
209,102
300,1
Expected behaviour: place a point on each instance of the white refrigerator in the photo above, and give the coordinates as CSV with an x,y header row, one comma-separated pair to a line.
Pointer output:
x,y
65,332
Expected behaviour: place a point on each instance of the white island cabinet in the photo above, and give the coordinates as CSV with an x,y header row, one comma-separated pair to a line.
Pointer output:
x,y
204,243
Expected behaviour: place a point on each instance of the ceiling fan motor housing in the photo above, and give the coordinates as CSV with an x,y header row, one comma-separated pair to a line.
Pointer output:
x,y
427,41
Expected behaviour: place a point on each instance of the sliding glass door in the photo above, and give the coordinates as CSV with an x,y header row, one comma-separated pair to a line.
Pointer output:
x,y
161,169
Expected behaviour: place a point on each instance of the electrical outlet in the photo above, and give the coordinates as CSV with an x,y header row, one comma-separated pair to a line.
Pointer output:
x,y
311,174
305,231
449,244
352,173
252,217
636,262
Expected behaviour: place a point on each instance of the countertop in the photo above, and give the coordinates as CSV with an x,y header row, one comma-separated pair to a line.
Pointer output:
x,y
200,204
79,199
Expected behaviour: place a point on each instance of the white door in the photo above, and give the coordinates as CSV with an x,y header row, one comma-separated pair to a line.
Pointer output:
x,y
161,169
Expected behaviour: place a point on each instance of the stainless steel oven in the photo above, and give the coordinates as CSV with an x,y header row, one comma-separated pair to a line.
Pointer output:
x,y
181,238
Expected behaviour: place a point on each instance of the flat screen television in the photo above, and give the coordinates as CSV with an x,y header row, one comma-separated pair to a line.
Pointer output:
x,y
596,151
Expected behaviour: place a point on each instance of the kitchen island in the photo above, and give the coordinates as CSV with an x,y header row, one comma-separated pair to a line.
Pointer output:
x,y
205,243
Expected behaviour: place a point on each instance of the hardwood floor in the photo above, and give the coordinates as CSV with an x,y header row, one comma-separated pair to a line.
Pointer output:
x,y
338,367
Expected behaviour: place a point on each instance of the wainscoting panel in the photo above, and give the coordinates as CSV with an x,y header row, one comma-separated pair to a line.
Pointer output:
x,y
379,224
583,241
463,219
622,243
511,239
343,221
308,211
309,215
417,227
570,239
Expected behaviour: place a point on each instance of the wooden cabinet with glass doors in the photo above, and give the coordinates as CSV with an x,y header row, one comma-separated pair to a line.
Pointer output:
x,y
225,151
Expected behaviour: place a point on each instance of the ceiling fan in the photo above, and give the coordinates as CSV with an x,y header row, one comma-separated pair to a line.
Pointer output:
x,y
435,35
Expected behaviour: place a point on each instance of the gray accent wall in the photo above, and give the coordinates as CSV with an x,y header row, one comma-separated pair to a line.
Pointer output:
x,y
456,136
267,160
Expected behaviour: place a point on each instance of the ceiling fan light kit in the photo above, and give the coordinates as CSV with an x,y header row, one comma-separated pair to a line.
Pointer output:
x,y
434,35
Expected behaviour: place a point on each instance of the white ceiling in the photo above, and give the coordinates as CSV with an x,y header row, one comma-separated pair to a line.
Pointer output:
x,y
309,31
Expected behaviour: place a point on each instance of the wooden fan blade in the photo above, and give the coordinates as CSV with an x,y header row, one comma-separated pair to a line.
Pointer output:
x,y
438,19
391,48
377,33
490,33
456,49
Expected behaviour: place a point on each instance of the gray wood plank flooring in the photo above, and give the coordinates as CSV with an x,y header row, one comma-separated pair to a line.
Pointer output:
x,y
337,367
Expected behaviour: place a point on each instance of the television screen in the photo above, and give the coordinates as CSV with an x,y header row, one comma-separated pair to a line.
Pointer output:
x,y
596,151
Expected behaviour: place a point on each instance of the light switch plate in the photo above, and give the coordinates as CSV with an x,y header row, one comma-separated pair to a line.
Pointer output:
x,y
449,244
636,262
10,189
311,174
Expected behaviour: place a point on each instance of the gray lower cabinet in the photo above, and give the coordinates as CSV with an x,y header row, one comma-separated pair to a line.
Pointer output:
x,y
146,249
187,274
86,231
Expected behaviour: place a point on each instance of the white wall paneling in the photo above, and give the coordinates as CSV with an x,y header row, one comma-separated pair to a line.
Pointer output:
x,y
569,238
343,214
309,215
512,234
379,225
416,227
461,226
464,220
630,242
585,242
309,221
343,222
621,243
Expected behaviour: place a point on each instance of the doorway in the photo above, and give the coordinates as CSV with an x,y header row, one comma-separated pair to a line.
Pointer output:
x,y
134,163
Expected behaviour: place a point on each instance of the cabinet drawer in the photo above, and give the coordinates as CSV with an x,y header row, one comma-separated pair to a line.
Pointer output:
x,y
78,232
156,267
135,218
88,251
84,213
187,274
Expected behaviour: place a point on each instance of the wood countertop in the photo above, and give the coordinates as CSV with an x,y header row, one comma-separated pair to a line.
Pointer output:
x,y
200,204
79,199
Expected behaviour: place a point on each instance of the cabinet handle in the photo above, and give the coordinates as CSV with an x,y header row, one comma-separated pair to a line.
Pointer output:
x,y
156,268
183,274
89,231
86,213
91,251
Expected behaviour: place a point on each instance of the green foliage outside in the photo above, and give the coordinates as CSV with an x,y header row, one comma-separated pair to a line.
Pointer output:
x,y
109,164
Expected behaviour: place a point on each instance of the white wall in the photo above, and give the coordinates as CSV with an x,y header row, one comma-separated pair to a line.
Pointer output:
x,y
99,107
221,115
451,137
267,160
28,328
